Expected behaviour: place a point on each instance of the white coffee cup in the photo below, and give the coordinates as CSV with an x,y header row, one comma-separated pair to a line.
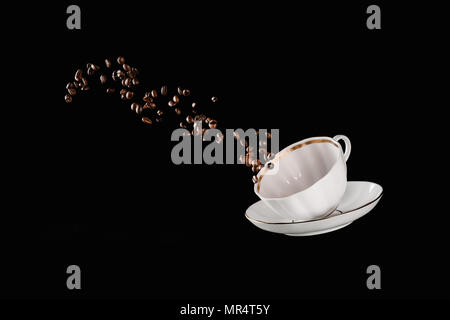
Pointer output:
x,y
306,180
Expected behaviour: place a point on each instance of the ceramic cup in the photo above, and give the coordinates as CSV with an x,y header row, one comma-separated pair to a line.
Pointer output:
x,y
306,180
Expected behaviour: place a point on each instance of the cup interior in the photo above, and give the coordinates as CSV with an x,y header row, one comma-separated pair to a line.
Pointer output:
x,y
298,167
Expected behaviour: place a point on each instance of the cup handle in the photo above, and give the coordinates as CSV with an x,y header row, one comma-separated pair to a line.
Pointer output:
x,y
348,145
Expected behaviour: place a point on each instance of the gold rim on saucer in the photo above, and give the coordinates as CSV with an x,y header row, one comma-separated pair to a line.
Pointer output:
x,y
323,218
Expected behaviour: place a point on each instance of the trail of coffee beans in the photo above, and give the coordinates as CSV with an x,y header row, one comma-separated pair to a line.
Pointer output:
x,y
156,103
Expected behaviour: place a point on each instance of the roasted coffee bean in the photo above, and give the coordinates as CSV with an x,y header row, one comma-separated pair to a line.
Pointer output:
x,y
189,119
171,103
70,85
154,93
95,67
123,83
147,99
194,104
90,71
159,112
256,162
120,74
68,98
103,79
139,109
135,82
255,179
135,71
182,125
214,99
178,111
110,90
164,90
108,63
129,95
134,105
78,75
120,60
180,91
72,91
123,97
114,76
127,82
77,84
150,105
123,91
186,92
176,99
146,120
212,124
131,74
126,67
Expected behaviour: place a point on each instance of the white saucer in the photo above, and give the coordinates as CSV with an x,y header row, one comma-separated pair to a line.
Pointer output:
x,y
359,198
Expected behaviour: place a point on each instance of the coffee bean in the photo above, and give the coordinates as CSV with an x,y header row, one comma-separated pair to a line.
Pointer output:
x,y
255,179
134,106
212,124
214,99
135,71
114,76
182,125
77,84
152,105
120,74
123,97
110,90
127,82
135,82
176,99
164,90
154,93
186,92
108,63
70,85
72,91
189,119
146,120
68,98
95,67
194,104
103,79
120,60
147,99
78,75
180,91
126,67
171,103
123,91
159,112
178,111
90,71
131,74
129,95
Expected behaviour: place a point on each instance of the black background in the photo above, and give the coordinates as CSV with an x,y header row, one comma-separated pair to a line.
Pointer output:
x,y
87,183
